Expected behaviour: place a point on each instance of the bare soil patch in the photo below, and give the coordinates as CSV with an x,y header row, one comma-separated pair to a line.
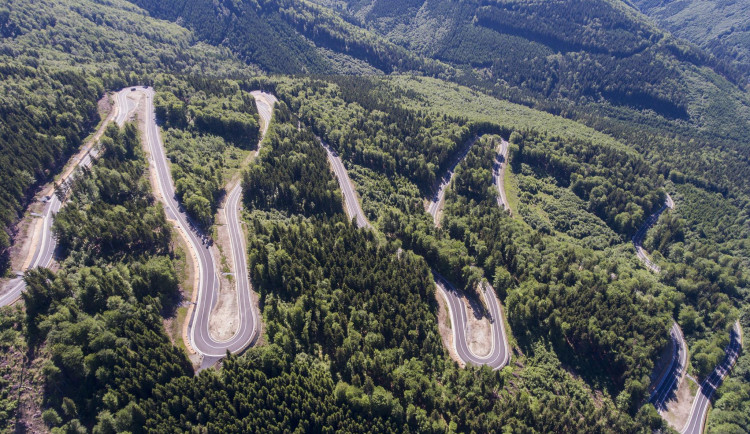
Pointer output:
x,y
224,319
679,405
479,335
26,238
185,267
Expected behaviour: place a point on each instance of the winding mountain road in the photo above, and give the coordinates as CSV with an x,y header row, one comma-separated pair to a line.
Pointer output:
x,y
208,280
237,245
674,373
43,241
499,354
699,410
353,208
435,205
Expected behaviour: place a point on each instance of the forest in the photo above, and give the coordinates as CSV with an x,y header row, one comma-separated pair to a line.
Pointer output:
x,y
496,244
351,344
49,96
605,113
37,134
608,189
210,125
721,29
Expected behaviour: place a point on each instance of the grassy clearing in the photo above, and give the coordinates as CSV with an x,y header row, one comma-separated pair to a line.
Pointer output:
x,y
453,100
511,191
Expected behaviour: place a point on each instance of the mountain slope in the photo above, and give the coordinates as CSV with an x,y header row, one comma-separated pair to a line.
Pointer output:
x,y
599,61
298,37
720,27
550,49
58,58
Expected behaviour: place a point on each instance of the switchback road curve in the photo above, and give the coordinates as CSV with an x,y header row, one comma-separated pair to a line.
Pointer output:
x,y
675,373
208,280
44,248
237,245
499,355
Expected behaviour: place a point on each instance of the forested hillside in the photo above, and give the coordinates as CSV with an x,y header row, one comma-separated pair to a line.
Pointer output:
x,y
298,37
57,59
208,123
599,62
488,244
720,27
605,115
536,52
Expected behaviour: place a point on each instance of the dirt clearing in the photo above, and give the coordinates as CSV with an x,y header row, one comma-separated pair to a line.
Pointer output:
x,y
479,333
679,405
224,319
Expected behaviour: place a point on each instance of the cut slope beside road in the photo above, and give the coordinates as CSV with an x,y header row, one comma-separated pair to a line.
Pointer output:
x,y
42,241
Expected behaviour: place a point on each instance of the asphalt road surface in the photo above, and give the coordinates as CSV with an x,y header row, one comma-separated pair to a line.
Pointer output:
x,y
699,411
498,173
671,380
499,354
436,203
44,249
641,234
353,209
208,280
264,103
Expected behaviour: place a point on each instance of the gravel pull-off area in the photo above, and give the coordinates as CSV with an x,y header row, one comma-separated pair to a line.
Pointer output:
x,y
224,318
479,333
678,408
